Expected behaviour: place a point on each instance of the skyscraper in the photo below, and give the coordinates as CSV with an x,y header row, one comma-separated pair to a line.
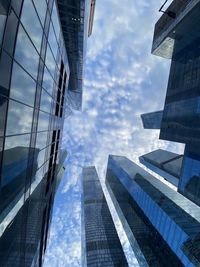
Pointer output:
x,y
165,163
177,37
162,225
42,49
101,245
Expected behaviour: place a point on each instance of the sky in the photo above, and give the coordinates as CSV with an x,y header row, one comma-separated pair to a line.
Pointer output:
x,y
122,80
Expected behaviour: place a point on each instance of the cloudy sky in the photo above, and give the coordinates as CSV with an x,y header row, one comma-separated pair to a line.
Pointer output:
x,y
122,80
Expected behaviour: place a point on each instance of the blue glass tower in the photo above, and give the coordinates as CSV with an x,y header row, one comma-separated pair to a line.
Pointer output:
x,y
101,245
162,225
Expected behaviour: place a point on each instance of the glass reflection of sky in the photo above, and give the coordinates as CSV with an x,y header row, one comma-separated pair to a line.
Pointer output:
x,y
43,121
19,140
19,118
41,140
22,86
45,102
56,23
49,61
26,54
2,24
41,6
31,23
52,40
47,81
41,157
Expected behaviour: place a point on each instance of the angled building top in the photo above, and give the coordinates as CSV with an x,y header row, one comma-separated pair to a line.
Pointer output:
x,y
75,18
164,160
166,32
152,120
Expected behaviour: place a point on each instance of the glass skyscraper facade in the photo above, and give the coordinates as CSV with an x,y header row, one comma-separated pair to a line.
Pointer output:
x,y
177,38
100,244
36,66
163,225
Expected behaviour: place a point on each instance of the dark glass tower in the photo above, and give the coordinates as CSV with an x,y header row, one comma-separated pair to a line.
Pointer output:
x,y
162,225
101,245
177,37
42,49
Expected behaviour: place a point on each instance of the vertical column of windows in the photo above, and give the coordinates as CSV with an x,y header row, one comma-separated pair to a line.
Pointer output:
x,y
53,158
37,34
16,148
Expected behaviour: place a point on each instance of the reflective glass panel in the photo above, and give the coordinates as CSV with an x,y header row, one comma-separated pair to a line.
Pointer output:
x,y
43,121
14,169
31,23
19,118
3,108
47,81
41,140
41,157
52,41
55,20
15,157
2,25
41,8
37,179
22,86
50,62
10,32
26,54
45,103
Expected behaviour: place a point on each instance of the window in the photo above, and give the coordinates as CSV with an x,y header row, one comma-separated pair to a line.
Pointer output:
x,y
41,140
26,54
43,122
3,108
22,86
47,81
55,21
31,23
10,32
41,157
41,8
50,62
52,41
2,25
15,159
19,118
45,103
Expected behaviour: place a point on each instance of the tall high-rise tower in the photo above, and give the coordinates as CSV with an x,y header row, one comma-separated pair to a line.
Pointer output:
x,y
101,245
42,50
162,225
177,37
